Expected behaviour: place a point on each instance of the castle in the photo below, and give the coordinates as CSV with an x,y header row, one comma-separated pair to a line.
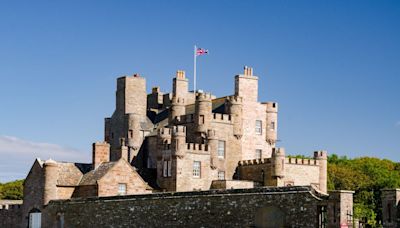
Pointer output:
x,y
189,142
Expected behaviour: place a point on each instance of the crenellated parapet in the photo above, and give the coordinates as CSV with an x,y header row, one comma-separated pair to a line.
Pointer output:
x,y
197,148
222,118
255,162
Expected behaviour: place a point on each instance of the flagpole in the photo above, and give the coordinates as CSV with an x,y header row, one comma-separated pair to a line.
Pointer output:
x,y
194,69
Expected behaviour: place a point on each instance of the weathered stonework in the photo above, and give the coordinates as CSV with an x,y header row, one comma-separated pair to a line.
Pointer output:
x,y
256,207
391,208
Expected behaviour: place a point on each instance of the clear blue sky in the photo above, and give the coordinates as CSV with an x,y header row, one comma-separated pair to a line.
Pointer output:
x,y
333,66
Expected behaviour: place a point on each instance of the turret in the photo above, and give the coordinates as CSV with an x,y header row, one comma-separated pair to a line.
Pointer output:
x,y
101,153
203,112
246,85
177,110
134,133
278,162
131,95
322,157
50,181
213,147
234,107
272,122
178,141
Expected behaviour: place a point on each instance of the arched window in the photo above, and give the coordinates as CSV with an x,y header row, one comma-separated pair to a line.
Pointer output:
x,y
35,218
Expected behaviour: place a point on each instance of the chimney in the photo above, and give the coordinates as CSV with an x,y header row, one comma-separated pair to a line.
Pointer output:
x,y
101,153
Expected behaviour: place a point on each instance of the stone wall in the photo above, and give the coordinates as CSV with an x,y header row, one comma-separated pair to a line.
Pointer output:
x,y
288,206
10,215
391,208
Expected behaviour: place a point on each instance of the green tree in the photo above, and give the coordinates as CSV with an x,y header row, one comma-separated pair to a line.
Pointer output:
x,y
12,190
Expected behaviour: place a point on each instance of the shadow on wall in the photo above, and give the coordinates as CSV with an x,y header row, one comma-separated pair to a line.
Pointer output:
x,y
270,217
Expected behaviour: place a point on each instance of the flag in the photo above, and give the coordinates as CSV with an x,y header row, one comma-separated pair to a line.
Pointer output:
x,y
201,51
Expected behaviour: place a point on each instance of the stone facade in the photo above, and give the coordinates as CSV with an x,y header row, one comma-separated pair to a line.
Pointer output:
x,y
191,138
256,207
391,208
186,143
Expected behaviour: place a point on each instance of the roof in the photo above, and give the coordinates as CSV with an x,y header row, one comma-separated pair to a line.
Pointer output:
x,y
93,176
70,174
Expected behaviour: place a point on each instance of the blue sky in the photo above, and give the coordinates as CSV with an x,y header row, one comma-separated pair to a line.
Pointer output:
x,y
333,66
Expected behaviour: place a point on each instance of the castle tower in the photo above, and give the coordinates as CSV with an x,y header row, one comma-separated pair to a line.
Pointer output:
x,y
234,107
272,122
100,153
246,85
178,141
203,112
130,112
50,181
131,95
213,147
322,157
278,162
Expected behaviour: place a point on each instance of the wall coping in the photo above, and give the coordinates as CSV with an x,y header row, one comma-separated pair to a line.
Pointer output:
x,y
214,192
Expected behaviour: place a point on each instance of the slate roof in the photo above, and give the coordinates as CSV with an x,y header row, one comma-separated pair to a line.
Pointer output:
x,y
70,174
93,176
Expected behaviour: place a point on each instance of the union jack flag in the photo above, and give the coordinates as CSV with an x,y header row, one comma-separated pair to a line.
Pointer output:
x,y
201,51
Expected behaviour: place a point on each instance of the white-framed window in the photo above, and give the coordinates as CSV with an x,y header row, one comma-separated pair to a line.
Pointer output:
x,y
196,169
221,149
122,189
272,126
258,153
221,175
258,127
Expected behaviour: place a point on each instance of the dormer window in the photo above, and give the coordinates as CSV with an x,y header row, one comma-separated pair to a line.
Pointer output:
x,y
122,189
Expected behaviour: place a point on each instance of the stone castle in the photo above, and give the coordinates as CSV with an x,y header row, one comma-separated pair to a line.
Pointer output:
x,y
203,148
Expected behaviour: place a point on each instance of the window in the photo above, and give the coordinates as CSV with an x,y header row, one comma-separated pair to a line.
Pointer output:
x,y
196,169
221,149
258,154
221,175
165,168
201,119
121,189
272,126
389,212
169,164
258,127
130,134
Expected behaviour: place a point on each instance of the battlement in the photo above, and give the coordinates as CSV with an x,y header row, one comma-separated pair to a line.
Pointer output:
x,y
164,132
255,162
301,161
201,96
278,152
321,155
196,147
271,106
233,99
224,118
180,74
179,129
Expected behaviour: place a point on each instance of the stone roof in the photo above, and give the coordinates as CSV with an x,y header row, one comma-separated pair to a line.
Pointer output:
x,y
70,174
93,176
